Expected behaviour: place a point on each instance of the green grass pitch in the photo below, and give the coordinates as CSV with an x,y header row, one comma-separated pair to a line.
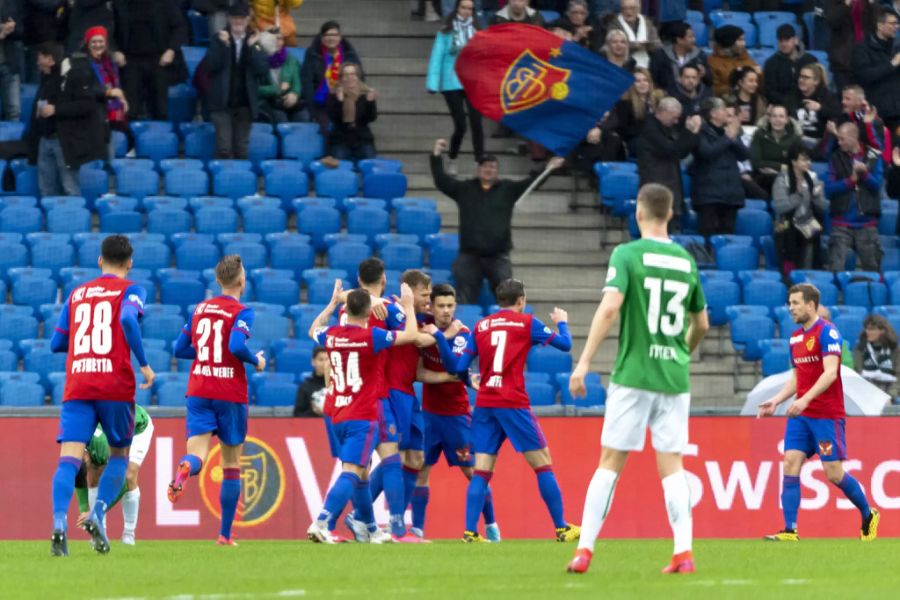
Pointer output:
x,y
820,569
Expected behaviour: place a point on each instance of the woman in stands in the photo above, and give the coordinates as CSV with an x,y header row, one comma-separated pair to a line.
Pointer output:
x,y
771,145
279,94
458,29
813,106
616,51
321,70
751,105
636,105
351,107
799,203
876,355
107,73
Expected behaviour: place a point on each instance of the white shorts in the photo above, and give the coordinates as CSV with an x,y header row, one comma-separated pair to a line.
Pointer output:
x,y
629,411
140,445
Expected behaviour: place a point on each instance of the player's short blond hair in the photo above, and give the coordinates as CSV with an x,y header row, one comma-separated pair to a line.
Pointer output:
x,y
229,270
656,200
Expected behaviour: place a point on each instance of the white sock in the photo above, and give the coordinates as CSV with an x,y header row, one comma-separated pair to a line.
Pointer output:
x,y
92,500
131,504
677,493
596,506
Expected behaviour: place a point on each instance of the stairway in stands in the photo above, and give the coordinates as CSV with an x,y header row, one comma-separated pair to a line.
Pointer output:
x,y
560,254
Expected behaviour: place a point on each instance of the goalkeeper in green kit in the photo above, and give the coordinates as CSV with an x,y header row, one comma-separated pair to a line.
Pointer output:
x,y
96,454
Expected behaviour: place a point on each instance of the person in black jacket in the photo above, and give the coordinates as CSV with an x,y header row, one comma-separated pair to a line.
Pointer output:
x,y
813,106
717,189
662,145
151,35
666,63
876,66
485,221
690,91
781,71
311,394
11,28
352,108
41,24
321,70
236,62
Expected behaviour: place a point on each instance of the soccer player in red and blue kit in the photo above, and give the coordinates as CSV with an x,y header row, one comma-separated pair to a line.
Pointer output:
x,y
816,418
216,339
99,328
447,414
353,404
502,341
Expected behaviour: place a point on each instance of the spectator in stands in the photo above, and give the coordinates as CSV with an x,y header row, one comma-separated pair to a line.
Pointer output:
x,y
151,34
11,28
485,221
458,29
640,31
729,53
853,186
690,91
311,393
351,108
781,71
849,21
448,7
41,24
717,189
635,107
216,12
892,175
813,106
518,11
279,93
321,70
236,62
587,31
602,143
876,355
86,14
615,50
667,62
106,71
799,204
855,109
662,145
745,96
276,14
771,144
876,66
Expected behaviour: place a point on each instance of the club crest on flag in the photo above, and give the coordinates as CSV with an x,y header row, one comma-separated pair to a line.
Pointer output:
x,y
531,81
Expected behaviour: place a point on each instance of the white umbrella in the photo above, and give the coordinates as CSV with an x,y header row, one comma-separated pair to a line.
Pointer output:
x,y
860,396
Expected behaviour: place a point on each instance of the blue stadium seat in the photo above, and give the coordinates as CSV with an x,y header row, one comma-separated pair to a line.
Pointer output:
x,y
294,355
301,204
11,131
38,237
369,222
195,204
163,326
776,356
718,241
168,222
120,164
296,255
194,54
442,250
865,293
286,184
285,237
737,257
383,239
121,221
187,183
320,284
197,255
200,145
277,164
276,393
139,128
157,145
318,221
317,166
285,292
27,181
386,186
28,200
305,147
596,395
182,102
401,257
617,186
337,184
216,220
765,292
17,325
182,292
419,221
263,146
540,394
12,254
33,289
746,332
19,393
336,238
152,203
221,164
69,220
253,254
234,183
39,359
285,129
258,275
137,182
93,182
172,394
379,165
353,203
720,294
268,327
348,255
849,325
190,236
159,359
9,361
303,316
49,203
768,23
20,219
548,360
265,220
152,255
170,164
53,255
246,203
409,202
754,223
110,203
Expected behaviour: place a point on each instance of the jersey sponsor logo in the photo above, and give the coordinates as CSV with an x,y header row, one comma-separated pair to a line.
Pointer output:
x,y
807,359
242,324
825,448
262,483
389,337
810,344
459,341
664,261
834,348
610,274
401,317
134,298
796,339
78,295
495,381
833,333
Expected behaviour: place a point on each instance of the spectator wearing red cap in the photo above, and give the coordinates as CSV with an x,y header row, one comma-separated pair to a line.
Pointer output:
x,y
106,71
84,14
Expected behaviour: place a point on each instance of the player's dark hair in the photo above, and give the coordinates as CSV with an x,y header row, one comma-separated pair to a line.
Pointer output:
x,y
370,271
888,335
656,200
51,49
317,351
415,278
359,302
686,66
509,291
809,291
229,270
116,250
442,289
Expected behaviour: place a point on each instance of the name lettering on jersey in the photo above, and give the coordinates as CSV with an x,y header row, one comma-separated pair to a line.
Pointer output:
x,y
796,339
99,292
662,352
834,348
342,401
807,359
495,381
92,365
664,261
218,372
214,309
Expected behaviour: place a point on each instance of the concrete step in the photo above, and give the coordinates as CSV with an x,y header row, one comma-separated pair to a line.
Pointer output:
x,y
376,66
385,10
369,23
393,46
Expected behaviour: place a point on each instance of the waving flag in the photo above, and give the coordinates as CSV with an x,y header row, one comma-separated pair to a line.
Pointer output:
x,y
550,90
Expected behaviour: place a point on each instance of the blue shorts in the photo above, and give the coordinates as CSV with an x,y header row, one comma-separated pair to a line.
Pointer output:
x,y
78,419
387,423
353,441
491,427
228,420
824,437
450,435
410,422
333,442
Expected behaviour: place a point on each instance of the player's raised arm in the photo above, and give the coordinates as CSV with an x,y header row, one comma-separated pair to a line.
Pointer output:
x,y
237,340
324,316
541,334
130,314
182,347
459,365
604,317
767,408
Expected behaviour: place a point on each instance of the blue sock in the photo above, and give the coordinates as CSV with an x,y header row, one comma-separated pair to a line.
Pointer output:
x,y
376,481
488,510
110,484
410,476
551,495
63,488
393,491
338,496
790,500
475,498
419,502
229,494
854,492
362,502
194,461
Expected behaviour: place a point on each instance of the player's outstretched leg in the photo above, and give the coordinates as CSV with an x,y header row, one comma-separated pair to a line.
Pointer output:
x,y
188,466
854,492
790,506
677,493
419,502
393,491
362,504
335,501
229,494
110,486
491,529
596,507
552,496
63,487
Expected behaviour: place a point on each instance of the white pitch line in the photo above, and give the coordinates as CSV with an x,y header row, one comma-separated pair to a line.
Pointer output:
x,y
794,581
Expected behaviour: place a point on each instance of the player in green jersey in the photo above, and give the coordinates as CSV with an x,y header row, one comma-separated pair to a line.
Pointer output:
x,y
96,454
653,287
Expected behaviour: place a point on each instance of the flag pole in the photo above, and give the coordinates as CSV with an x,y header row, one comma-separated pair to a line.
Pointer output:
x,y
540,179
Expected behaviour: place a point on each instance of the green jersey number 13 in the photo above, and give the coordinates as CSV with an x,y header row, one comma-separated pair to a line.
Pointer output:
x,y
670,323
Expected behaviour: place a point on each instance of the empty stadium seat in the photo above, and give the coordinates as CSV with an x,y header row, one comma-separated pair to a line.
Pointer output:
x,y
368,221
548,360
110,203
337,184
19,219
720,294
754,223
305,147
776,356
301,204
408,202
540,394
286,184
197,255
263,146
216,219
264,220
157,145
746,332
17,323
69,219
316,221
53,255
234,183
303,316
442,250
151,255
253,254
737,257
386,186
268,327
278,291
294,355
383,239
168,222
348,255
765,292
186,182
121,221
163,326
33,287
137,182
297,255
352,203
383,165
401,257
20,393
200,145
276,393
418,221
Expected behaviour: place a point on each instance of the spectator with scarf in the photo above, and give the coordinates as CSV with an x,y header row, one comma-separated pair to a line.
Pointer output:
x,y
876,355
641,34
107,73
321,70
351,107
458,29
280,99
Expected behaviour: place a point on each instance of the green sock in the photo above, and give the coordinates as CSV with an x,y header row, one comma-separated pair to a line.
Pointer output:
x,y
82,495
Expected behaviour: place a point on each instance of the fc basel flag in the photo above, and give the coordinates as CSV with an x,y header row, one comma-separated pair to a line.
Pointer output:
x,y
550,90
